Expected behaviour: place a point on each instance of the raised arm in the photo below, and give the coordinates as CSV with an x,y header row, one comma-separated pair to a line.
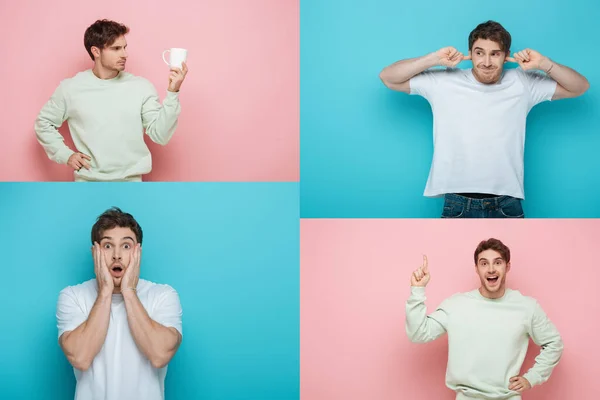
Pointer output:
x,y
82,344
570,83
160,121
157,342
420,327
397,76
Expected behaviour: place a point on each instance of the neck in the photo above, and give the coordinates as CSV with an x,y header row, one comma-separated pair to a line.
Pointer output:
x,y
495,295
103,73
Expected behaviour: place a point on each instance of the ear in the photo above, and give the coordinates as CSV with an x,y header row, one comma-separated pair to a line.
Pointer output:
x,y
507,266
95,51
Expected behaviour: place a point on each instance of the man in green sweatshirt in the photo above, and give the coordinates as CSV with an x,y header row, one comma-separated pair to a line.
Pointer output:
x,y
488,330
107,110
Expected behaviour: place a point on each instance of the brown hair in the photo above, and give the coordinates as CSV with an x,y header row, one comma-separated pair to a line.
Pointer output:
x,y
102,33
493,244
491,30
112,218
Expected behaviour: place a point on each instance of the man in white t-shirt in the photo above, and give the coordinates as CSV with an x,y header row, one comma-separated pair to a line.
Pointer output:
x,y
108,110
488,330
118,331
479,118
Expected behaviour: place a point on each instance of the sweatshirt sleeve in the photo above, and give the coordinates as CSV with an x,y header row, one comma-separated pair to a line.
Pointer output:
x,y
544,334
420,327
50,118
160,121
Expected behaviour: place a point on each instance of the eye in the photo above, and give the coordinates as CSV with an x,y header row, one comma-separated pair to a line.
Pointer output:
x,y
107,245
127,246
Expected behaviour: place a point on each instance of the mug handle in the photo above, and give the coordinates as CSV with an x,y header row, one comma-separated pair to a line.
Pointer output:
x,y
163,56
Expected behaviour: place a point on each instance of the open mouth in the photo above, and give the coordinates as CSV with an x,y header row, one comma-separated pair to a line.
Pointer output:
x,y
116,271
492,280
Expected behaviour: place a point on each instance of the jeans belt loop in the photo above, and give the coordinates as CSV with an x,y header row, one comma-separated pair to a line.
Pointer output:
x,y
468,204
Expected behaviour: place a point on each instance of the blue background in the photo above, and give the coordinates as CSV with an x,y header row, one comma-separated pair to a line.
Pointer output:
x,y
366,150
230,250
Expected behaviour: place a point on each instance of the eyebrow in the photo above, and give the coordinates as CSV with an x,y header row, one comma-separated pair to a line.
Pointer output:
x,y
495,259
110,238
479,48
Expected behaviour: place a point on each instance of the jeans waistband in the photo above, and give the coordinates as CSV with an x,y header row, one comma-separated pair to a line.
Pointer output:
x,y
481,204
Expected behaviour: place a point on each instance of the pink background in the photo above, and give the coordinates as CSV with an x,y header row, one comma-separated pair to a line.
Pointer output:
x,y
240,100
355,279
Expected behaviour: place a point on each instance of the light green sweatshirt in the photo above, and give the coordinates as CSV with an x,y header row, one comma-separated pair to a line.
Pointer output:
x,y
107,118
487,340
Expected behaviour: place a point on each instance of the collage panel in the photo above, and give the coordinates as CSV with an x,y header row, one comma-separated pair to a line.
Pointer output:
x,y
128,90
218,265
509,302
470,129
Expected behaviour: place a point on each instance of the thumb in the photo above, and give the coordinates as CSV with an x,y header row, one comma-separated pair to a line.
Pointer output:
x,y
514,378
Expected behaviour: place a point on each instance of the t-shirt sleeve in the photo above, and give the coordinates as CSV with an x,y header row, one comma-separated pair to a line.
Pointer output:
x,y
69,314
540,86
426,83
167,310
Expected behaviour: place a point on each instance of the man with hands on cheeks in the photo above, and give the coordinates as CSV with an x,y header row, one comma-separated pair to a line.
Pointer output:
x,y
480,116
118,331
108,110
488,330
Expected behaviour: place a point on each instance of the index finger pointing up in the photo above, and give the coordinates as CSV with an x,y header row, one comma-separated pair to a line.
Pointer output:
x,y
425,263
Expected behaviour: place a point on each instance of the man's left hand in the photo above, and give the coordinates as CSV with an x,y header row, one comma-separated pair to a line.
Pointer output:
x,y
131,276
176,77
530,59
519,384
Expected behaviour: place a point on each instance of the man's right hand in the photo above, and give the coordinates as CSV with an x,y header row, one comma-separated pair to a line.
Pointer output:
x,y
450,57
78,160
103,276
420,277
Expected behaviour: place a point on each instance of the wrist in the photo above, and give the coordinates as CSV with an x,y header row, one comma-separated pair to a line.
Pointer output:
x,y
546,65
105,293
128,291
433,60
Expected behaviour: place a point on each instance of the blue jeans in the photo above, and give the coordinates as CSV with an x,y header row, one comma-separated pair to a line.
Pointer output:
x,y
456,206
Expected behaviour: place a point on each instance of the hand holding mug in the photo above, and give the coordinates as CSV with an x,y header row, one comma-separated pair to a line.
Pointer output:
x,y
176,77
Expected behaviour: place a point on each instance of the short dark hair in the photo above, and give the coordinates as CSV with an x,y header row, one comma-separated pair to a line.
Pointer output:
x,y
102,33
113,218
491,30
493,244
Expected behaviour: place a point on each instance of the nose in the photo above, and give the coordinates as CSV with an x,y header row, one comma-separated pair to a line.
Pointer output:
x,y
116,256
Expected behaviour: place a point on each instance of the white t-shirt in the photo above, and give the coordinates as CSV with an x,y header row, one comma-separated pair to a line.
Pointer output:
x,y
479,129
120,371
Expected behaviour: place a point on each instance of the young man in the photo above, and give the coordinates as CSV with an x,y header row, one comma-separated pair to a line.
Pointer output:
x,y
118,331
488,330
108,110
479,118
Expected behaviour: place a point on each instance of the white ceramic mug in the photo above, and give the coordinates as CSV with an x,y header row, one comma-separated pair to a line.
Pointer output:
x,y
176,57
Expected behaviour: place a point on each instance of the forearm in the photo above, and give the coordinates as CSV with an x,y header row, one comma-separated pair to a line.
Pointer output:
x,y
545,362
401,71
164,118
419,327
51,140
157,342
83,343
567,77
